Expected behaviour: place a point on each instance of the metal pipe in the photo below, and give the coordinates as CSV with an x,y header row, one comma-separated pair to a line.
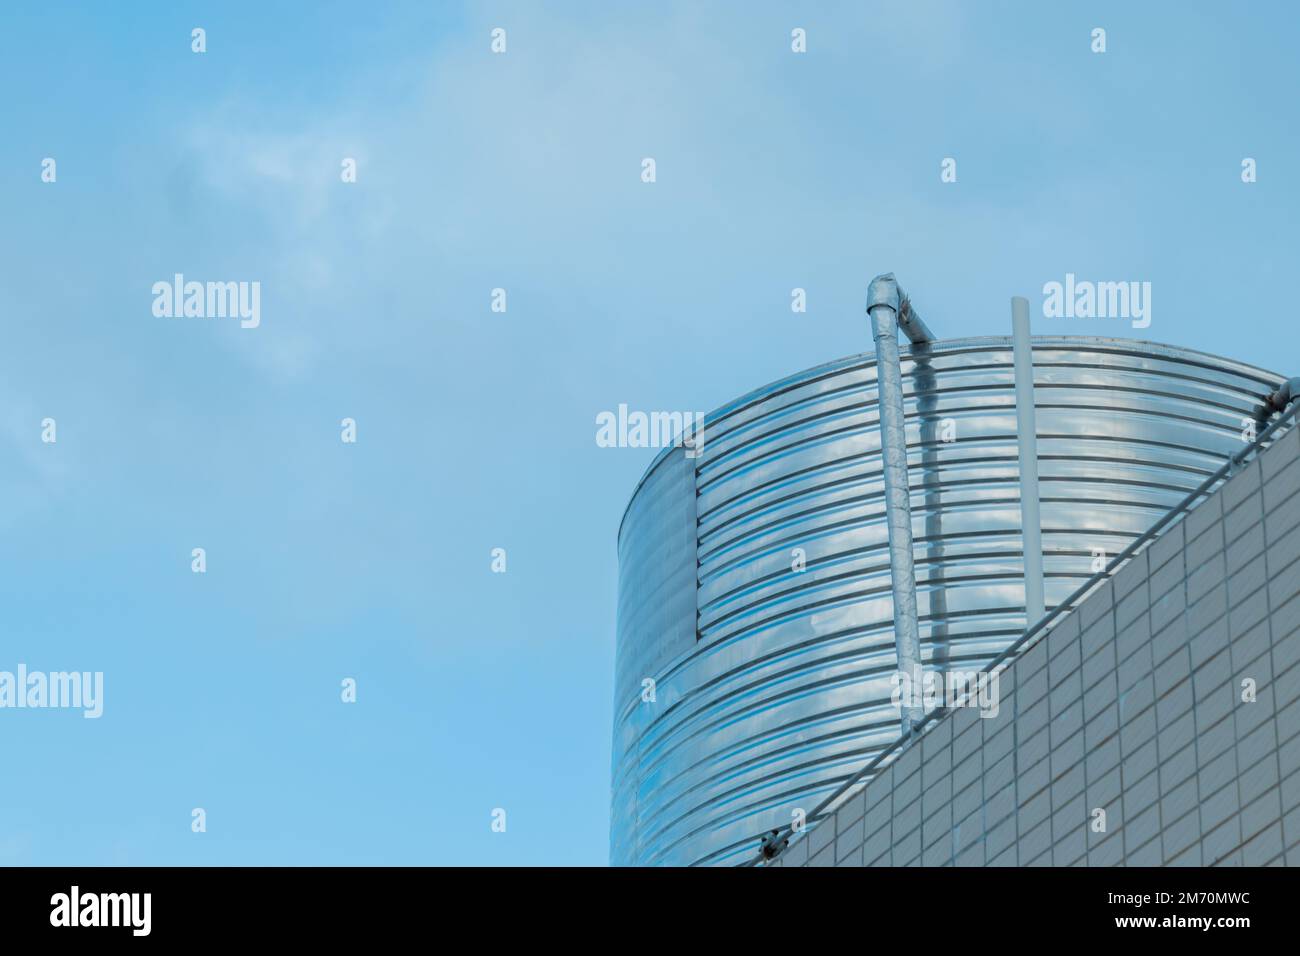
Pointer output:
x,y
1285,394
884,302
916,330
1027,432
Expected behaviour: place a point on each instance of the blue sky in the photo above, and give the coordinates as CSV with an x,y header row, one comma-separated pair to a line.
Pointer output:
x,y
476,429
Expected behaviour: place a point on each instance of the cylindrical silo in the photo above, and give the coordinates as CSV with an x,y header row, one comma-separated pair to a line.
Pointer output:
x,y
754,580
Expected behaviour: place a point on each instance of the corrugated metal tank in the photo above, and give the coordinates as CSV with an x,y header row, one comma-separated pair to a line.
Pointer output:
x,y
772,686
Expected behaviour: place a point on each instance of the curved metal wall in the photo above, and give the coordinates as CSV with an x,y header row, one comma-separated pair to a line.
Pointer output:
x,y
786,690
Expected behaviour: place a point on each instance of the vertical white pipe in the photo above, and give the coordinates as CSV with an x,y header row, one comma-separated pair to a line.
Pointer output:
x,y
1027,432
883,306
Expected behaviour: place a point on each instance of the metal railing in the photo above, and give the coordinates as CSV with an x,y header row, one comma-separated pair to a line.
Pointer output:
x,y
776,842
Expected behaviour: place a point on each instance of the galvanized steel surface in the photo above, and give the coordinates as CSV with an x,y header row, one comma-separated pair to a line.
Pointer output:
x,y
898,499
786,691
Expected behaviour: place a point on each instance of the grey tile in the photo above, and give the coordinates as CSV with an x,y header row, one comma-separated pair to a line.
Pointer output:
x,y
879,813
1204,577
939,820
1285,619
1280,455
940,852
1143,827
1166,578
971,856
1209,638
1175,669
1036,842
1031,690
1063,670
1137,730
967,773
1239,487
1249,645
1246,581
1177,768
1102,729
1034,780
1098,605
1283,551
1129,608
1209,607
1100,760
1219,773
965,802
1283,486
1000,744
907,789
1215,740
849,840
1034,749
936,770
820,837
999,774
1242,551
1146,855
1286,652
1178,835
1071,849
907,817
908,848
1000,837
1257,745
1257,814
1218,807
1135,573
1291,832
1137,764
1008,858
1203,515
1250,716
1206,545
1174,704
1139,794
1172,636
852,809
1189,857
877,847
1178,802
1104,790
1101,697
853,859
1098,667
1110,852
937,740
1221,841
1263,847
1244,519
1132,640
1256,779
1248,613
1067,754
1067,789
1213,707
1167,548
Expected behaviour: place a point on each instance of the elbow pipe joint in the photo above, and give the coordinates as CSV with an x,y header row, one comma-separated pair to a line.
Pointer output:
x,y
774,843
884,291
1285,394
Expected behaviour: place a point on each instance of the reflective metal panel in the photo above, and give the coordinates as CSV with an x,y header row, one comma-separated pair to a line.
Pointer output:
x,y
786,691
